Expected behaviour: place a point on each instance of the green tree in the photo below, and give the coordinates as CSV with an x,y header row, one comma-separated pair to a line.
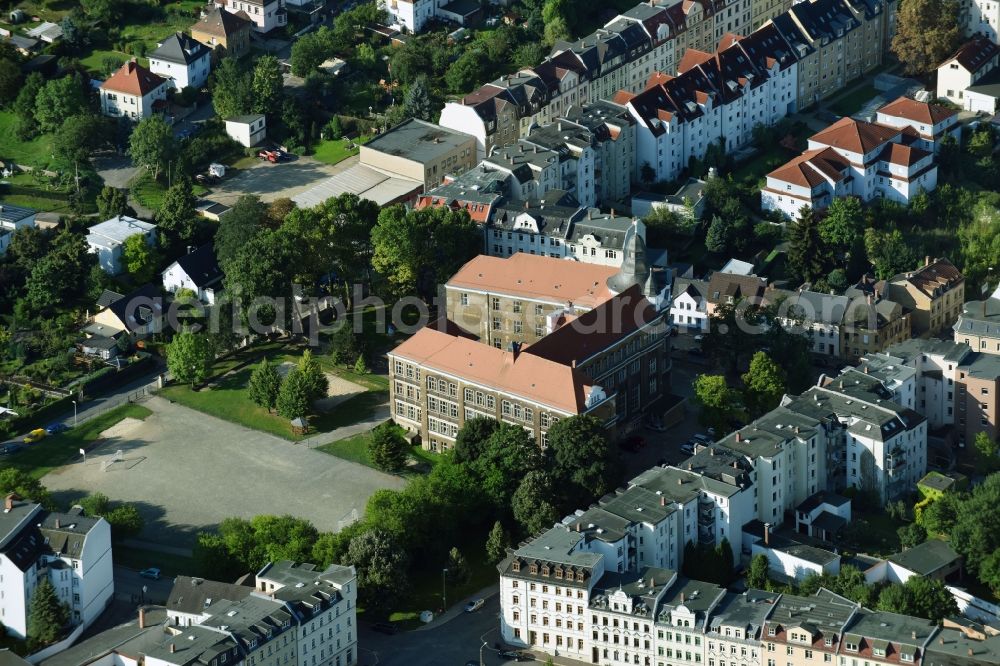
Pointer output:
x,y
233,88
190,357
556,30
889,252
764,384
472,438
77,138
941,515
177,220
466,72
923,597
531,503
95,505
458,568
387,448
843,224
720,234
911,534
237,227
293,398
104,11
24,106
986,446
979,240
757,573
267,85
61,275
112,202
46,616
20,483
152,144
926,33
497,543
989,571
806,253
310,50
417,100
345,344
719,403
125,520
381,565
510,453
139,258
584,465
58,100
419,249
316,382
264,385
10,81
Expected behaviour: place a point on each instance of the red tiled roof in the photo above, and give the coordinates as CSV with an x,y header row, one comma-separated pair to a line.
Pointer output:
x,y
921,112
133,79
853,135
525,375
809,168
896,153
693,58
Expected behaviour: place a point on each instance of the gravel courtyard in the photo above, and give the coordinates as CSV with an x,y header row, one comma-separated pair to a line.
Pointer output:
x,y
186,471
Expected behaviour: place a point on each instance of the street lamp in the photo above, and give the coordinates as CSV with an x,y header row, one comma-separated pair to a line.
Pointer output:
x,y
74,412
481,653
444,592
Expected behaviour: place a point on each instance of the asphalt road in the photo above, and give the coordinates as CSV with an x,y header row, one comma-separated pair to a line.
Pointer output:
x,y
452,643
129,584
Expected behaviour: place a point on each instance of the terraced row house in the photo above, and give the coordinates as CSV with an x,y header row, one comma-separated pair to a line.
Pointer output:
x,y
815,47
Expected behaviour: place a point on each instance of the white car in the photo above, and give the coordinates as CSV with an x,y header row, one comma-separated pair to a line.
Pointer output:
x,y
474,605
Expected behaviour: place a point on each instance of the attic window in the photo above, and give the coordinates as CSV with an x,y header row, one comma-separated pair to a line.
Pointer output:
x,y
771,631
533,569
515,566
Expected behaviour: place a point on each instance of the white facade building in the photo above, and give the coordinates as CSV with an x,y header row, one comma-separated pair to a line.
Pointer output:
x,y
133,92
972,63
107,240
181,60
981,17
689,309
247,130
71,550
197,271
265,14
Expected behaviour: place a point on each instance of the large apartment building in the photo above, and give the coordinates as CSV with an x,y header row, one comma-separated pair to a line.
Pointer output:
x,y
933,293
532,339
814,47
72,551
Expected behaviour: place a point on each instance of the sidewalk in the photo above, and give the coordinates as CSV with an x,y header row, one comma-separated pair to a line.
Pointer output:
x,y
381,414
458,608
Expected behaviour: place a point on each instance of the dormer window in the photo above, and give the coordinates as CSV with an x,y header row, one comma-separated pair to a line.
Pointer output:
x,y
515,566
878,652
828,641
851,646
771,631
906,656
545,570
533,569
559,573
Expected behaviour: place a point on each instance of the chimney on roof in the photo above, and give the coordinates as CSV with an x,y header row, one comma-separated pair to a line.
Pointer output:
x,y
663,500
739,437
142,618
866,369
651,582
682,597
971,652
173,648
8,502
927,260
767,534
578,527
913,635
57,524
680,481
869,299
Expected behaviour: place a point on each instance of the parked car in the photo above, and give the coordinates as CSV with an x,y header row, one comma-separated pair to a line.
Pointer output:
x,y
151,573
513,655
8,449
702,439
385,628
474,605
35,435
55,428
688,448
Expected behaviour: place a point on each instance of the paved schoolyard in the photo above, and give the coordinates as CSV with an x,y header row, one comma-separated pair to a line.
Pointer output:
x,y
187,471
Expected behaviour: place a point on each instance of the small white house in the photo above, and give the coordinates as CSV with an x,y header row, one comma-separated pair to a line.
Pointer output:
x,y
198,271
788,559
133,92
107,239
967,67
247,130
181,60
689,309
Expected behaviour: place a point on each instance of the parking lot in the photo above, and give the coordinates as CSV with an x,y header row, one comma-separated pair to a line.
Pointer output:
x,y
275,181
187,471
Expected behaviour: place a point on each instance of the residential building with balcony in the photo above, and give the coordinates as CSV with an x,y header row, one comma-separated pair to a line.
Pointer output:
x,y
219,28
803,631
133,92
733,631
872,322
931,122
70,550
182,60
622,611
883,638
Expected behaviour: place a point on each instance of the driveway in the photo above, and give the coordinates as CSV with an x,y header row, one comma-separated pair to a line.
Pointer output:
x,y
116,170
275,181
187,471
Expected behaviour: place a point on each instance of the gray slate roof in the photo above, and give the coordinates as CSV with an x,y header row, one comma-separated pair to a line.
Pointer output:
x,y
181,49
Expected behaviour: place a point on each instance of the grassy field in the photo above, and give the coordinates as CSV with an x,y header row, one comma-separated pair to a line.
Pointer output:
x,y
332,152
227,398
355,449
854,100
57,450
95,61
37,152
149,193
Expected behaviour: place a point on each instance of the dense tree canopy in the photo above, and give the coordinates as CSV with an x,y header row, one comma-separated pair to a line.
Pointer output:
x,y
927,32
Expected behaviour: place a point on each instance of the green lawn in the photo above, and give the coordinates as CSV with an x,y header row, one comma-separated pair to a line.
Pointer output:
x,y
355,449
874,534
854,100
149,192
332,152
95,61
57,450
227,398
37,152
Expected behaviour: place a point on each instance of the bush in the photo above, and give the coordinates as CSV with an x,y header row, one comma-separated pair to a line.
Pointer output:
x,y
387,448
136,48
